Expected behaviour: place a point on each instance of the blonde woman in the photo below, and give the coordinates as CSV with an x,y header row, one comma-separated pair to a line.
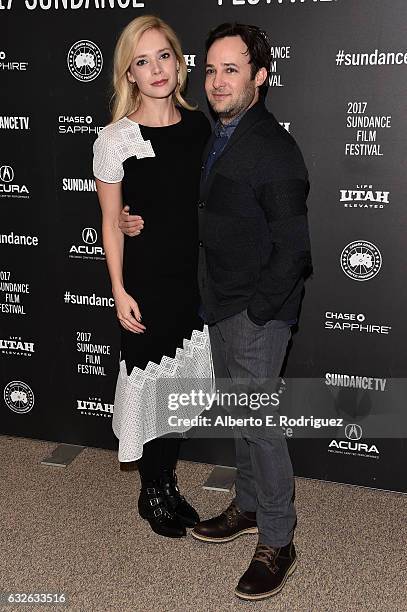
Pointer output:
x,y
149,158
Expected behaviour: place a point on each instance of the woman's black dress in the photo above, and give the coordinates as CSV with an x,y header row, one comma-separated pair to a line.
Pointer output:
x,y
159,168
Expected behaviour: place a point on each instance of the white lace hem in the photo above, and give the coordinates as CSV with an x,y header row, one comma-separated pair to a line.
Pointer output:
x,y
141,405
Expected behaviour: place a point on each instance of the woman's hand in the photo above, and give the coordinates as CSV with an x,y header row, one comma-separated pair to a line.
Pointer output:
x,y
128,312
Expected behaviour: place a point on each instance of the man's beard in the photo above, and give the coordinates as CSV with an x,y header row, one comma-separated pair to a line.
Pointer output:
x,y
238,106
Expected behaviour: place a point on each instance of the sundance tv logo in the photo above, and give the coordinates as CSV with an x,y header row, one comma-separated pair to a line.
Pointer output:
x,y
89,249
8,122
85,61
8,187
352,446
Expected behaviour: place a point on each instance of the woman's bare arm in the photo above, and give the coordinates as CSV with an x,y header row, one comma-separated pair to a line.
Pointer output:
x,y
110,200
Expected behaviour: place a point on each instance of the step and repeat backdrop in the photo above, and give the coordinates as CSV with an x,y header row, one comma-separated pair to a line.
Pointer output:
x,y
338,85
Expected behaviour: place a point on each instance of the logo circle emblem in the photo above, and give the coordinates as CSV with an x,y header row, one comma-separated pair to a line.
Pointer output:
x,y
85,60
361,260
6,174
89,235
353,431
18,396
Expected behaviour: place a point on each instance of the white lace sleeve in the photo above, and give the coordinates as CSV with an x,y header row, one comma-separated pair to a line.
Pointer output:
x,y
106,162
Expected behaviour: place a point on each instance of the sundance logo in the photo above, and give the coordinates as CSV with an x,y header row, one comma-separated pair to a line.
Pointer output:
x,y
266,2
78,184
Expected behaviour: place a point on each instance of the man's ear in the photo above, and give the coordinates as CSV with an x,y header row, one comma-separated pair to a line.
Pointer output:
x,y
260,77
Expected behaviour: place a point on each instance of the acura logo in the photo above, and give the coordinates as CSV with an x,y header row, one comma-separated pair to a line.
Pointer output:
x,y
353,431
89,235
6,174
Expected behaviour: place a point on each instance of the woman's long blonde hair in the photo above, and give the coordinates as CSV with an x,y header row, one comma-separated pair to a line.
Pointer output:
x,y
126,97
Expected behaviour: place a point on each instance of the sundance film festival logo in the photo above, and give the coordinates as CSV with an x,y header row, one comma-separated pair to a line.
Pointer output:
x,y
85,60
352,446
18,396
361,260
363,196
9,188
89,249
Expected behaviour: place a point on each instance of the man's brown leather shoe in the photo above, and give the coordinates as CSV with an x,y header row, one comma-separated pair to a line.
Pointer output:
x,y
227,526
267,572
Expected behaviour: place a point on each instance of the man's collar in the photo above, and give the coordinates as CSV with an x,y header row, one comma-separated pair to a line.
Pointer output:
x,y
228,129
222,129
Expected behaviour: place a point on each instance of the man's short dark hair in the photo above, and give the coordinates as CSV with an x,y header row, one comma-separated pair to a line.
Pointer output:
x,y
257,42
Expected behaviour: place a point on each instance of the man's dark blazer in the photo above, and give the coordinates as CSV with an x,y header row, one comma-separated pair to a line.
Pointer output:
x,y
254,249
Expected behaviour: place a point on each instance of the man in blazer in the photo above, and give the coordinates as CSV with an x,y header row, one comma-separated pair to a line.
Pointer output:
x,y
254,255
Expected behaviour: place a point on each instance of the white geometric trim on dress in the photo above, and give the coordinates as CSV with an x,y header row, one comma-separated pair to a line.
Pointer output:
x,y
141,410
117,142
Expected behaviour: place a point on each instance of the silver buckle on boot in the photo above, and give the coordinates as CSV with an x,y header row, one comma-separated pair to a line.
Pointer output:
x,y
150,491
157,512
154,501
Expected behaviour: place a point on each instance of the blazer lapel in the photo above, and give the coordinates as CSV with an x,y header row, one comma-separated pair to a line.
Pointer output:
x,y
255,114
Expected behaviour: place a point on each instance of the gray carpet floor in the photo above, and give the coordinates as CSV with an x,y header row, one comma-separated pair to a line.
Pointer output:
x,y
76,530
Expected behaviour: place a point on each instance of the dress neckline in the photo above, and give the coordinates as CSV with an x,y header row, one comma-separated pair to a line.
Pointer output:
x,y
156,127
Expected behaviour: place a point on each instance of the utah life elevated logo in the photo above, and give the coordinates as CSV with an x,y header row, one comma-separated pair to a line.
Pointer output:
x,y
363,197
89,248
85,60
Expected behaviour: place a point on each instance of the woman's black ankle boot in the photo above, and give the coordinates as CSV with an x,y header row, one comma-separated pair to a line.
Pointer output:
x,y
152,506
176,502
